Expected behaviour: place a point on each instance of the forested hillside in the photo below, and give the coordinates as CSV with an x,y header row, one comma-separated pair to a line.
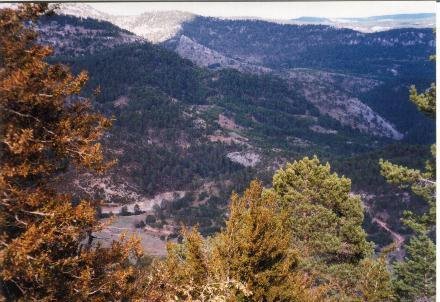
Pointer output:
x,y
314,46
277,173
202,132
394,59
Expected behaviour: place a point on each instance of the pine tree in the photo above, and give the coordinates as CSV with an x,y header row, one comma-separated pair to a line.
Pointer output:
x,y
250,260
374,280
415,276
189,260
326,226
255,249
189,273
425,101
258,257
326,220
46,242
422,183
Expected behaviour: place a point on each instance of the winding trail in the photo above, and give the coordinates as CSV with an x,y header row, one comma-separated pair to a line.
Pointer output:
x,y
397,238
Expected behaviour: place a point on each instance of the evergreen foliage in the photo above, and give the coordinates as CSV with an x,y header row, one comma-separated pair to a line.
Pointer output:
x,y
324,217
312,46
255,246
46,251
252,254
269,257
374,280
299,240
415,276
326,223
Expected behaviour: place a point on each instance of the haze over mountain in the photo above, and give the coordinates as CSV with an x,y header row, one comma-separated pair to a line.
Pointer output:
x,y
215,102
374,23
155,27
161,25
232,44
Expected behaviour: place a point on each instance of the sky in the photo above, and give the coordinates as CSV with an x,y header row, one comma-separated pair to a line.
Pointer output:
x,y
274,10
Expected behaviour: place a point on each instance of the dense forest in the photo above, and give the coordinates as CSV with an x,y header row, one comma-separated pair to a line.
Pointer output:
x,y
313,46
161,86
175,104
305,231
397,58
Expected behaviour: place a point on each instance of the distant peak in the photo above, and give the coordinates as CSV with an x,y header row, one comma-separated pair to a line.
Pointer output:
x,y
373,23
311,19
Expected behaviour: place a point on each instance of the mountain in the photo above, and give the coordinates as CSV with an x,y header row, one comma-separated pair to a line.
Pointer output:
x,y
311,20
379,63
372,65
156,27
71,36
406,17
189,131
161,25
81,10
311,46
352,113
186,34
373,23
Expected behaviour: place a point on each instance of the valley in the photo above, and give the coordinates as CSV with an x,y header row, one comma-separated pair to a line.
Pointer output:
x,y
181,151
204,105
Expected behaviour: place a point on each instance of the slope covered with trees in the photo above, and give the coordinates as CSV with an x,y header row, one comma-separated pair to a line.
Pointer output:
x,y
396,58
299,239
291,46
182,127
263,253
416,275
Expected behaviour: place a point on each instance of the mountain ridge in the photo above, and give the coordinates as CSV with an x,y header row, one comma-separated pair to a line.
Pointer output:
x,y
373,23
139,23
382,128
189,135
